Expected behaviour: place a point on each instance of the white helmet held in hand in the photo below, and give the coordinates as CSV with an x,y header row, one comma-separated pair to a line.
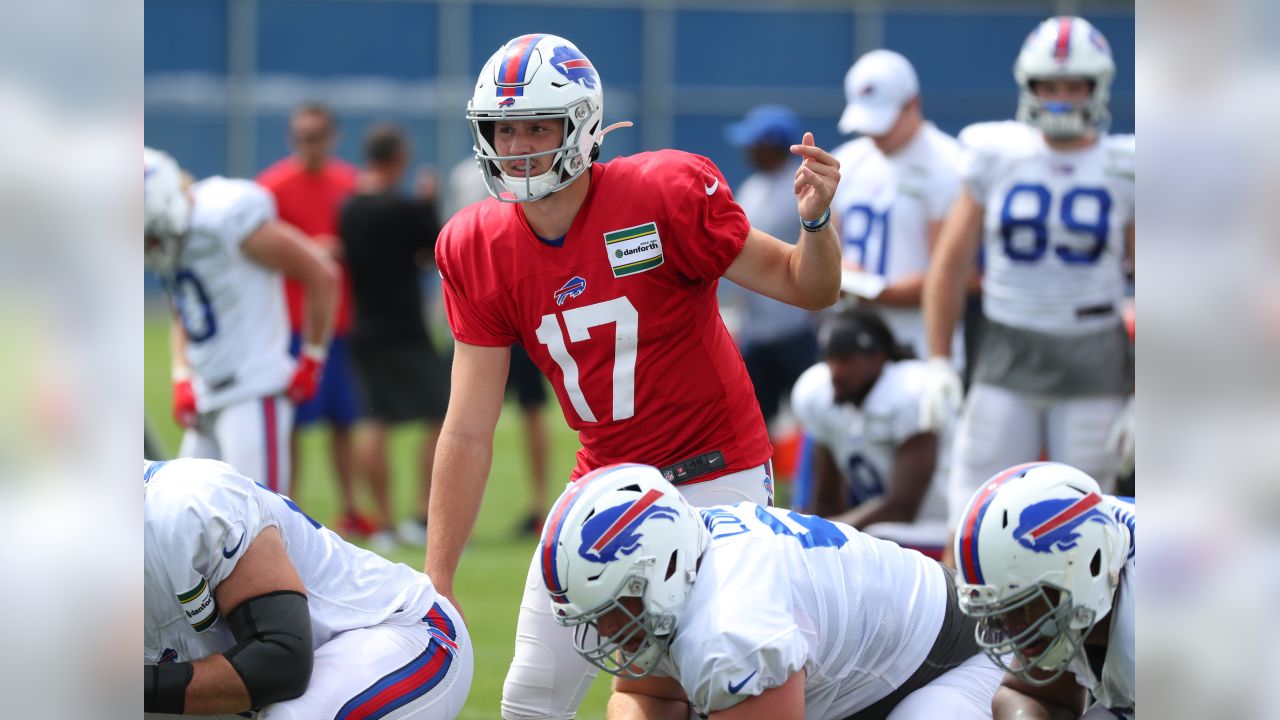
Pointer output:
x,y
537,77
1061,48
166,210
1039,552
621,531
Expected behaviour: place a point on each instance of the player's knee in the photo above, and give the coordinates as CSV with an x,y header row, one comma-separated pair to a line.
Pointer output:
x,y
274,653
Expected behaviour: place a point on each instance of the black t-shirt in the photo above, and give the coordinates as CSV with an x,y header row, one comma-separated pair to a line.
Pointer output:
x,y
387,237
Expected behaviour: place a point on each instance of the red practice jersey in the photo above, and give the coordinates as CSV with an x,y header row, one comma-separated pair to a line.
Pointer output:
x,y
311,202
623,316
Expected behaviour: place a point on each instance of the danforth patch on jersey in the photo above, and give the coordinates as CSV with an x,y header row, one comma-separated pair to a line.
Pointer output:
x,y
634,249
197,604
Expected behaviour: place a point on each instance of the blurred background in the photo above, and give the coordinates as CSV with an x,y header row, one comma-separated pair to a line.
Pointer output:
x,y
221,76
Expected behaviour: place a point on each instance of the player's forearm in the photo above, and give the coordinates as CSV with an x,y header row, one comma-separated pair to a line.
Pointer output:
x,y
634,706
320,305
906,292
815,268
459,474
877,510
178,349
942,297
215,689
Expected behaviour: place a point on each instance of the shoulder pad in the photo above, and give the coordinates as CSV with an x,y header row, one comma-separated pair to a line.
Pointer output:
x,y
997,137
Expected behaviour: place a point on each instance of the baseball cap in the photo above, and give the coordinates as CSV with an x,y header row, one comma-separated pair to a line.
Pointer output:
x,y
876,88
765,125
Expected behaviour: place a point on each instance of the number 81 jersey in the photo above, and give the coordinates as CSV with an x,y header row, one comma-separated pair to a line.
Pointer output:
x,y
621,316
1054,226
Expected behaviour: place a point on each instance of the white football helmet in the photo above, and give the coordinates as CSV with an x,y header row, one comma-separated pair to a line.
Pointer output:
x,y
1060,48
621,531
538,76
166,209
1039,553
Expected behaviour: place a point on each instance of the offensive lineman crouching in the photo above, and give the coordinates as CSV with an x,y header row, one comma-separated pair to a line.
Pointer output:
x,y
253,606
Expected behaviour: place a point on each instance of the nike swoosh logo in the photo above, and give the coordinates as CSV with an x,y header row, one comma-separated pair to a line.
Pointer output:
x,y
231,553
711,189
733,689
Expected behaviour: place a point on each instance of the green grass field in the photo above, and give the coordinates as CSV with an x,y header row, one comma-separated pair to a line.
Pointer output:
x,y
494,566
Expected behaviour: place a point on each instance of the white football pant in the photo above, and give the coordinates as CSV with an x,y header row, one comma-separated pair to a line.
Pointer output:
x,y
251,436
1000,428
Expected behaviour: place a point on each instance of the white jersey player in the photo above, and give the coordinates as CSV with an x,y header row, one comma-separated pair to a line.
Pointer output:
x,y
1048,565
1051,198
875,467
219,251
246,598
896,183
758,610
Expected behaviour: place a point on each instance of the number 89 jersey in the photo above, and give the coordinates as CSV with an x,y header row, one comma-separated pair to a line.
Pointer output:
x,y
1054,226
621,316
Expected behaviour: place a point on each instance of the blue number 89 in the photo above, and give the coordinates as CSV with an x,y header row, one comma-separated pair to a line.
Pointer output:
x,y
1037,224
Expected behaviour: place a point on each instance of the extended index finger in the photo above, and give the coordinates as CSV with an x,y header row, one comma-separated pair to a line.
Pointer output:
x,y
813,152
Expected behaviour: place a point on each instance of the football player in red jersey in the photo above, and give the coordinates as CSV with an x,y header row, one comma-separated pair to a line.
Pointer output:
x,y
606,274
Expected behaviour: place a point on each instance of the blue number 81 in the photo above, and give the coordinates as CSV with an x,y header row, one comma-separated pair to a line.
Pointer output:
x,y
1037,224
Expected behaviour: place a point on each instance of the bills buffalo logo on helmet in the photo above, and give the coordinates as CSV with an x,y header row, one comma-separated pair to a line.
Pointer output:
x,y
571,289
1051,525
574,65
614,532
508,102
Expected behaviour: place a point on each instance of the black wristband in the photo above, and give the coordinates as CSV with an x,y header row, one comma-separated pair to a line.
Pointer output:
x,y
819,224
165,687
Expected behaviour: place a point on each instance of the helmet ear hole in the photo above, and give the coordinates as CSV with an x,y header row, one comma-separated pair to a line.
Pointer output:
x,y
486,131
1004,519
1095,565
671,566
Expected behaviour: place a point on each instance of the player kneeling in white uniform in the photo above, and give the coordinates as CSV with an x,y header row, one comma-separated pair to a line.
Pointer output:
x,y
1048,567
875,466
746,611
250,605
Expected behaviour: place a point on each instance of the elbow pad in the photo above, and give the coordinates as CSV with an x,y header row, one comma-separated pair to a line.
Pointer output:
x,y
273,654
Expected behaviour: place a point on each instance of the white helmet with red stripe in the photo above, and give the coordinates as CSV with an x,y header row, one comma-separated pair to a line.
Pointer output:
x,y
538,77
1061,48
166,209
1039,552
621,531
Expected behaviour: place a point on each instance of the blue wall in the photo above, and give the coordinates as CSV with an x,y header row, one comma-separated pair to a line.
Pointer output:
x,y
718,63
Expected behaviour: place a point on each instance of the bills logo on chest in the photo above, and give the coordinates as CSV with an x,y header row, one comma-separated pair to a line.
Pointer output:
x,y
633,250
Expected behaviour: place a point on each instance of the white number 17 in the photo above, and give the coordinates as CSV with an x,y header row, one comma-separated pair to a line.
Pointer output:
x,y
579,322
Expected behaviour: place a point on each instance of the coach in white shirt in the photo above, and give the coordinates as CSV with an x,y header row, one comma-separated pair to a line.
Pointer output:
x,y
897,182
